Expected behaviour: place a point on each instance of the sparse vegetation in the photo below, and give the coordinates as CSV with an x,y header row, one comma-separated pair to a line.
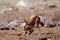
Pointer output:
x,y
49,9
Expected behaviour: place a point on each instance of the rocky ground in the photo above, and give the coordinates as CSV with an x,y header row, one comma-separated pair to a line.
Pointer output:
x,y
50,9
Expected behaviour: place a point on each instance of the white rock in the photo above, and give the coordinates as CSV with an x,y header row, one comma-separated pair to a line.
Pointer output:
x,y
21,3
57,23
42,19
49,24
6,10
46,23
13,24
25,3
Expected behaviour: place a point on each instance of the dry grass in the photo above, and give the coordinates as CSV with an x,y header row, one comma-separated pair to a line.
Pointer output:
x,y
41,9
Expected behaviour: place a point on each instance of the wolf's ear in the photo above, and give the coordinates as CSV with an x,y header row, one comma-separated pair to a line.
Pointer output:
x,y
25,21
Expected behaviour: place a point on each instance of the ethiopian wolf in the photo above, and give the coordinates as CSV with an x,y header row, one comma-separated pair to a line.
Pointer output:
x,y
30,23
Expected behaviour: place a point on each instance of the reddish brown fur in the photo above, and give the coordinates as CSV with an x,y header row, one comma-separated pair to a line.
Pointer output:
x,y
34,19
30,22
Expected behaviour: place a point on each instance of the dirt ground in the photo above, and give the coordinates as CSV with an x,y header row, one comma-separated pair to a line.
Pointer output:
x,y
41,8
